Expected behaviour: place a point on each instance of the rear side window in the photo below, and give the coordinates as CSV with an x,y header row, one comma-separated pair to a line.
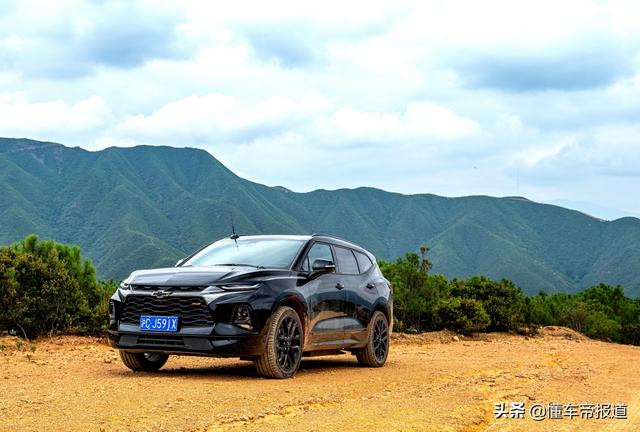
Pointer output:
x,y
363,261
317,251
346,261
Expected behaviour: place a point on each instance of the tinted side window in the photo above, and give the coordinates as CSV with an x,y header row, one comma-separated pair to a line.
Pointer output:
x,y
363,261
317,251
346,261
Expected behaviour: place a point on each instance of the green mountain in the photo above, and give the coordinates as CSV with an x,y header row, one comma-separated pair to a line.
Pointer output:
x,y
145,206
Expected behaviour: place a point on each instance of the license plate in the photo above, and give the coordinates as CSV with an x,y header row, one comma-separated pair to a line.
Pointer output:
x,y
159,323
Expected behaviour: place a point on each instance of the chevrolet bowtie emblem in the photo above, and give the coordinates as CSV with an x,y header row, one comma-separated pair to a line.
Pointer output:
x,y
161,293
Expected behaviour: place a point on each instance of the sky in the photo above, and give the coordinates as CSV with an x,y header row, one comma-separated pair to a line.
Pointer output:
x,y
538,99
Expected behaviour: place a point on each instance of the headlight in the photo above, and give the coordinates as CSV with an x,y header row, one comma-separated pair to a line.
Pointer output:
x,y
238,287
124,285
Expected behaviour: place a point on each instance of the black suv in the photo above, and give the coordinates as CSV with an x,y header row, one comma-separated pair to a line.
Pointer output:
x,y
270,299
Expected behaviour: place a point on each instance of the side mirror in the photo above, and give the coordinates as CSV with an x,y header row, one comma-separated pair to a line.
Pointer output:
x,y
323,266
180,261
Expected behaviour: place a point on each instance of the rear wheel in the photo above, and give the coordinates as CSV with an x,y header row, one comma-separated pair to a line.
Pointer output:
x,y
283,349
377,349
145,362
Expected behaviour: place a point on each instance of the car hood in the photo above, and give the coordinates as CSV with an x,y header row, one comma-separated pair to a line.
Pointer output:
x,y
200,276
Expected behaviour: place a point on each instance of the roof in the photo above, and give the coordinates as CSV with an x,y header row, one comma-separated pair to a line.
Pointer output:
x,y
340,241
275,236
318,236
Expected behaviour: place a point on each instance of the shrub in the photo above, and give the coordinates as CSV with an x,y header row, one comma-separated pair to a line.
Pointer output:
x,y
630,332
47,287
538,310
503,301
463,315
599,326
415,292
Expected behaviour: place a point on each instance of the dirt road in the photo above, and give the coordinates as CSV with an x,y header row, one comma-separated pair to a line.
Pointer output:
x,y
431,382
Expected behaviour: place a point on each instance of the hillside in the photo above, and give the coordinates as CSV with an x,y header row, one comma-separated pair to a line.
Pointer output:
x,y
148,206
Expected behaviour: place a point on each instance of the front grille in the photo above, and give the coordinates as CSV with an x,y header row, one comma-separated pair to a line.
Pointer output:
x,y
168,288
161,340
193,311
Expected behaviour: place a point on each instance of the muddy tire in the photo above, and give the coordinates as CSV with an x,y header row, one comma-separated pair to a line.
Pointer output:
x,y
143,362
283,347
377,349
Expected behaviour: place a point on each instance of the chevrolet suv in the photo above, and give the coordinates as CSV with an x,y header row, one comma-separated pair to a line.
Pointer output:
x,y
267,298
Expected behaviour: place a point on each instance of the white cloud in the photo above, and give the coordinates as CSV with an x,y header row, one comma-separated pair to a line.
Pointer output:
x,y
420,121
49,119
75,38
221,118
612,150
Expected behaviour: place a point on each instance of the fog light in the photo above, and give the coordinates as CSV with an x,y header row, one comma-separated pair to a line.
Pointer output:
x,y
242,317
112,309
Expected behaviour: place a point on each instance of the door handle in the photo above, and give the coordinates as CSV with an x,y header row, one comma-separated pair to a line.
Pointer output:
x,y
339,286
371,285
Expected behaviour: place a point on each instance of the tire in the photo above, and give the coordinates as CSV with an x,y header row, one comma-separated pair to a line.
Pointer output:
x,y
283,347
377,349
143,362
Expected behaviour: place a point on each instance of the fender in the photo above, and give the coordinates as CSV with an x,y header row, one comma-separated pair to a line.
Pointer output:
x,y
296,300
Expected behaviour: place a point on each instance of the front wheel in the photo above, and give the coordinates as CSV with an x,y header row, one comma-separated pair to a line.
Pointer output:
x,y
284,344
143,362
377,349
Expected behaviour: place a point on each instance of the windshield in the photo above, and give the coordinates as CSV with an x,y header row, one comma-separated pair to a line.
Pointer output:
x,y
254,252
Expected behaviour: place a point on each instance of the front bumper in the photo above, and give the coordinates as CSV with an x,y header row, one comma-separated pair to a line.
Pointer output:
x,y
238,345
215,336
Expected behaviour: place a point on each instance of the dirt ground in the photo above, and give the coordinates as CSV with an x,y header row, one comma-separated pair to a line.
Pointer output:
x,y
430,382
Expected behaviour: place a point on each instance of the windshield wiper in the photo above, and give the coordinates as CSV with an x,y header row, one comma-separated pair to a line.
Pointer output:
x,y
242,265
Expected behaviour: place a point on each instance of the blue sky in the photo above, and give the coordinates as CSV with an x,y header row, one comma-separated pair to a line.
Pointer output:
x,y
539,99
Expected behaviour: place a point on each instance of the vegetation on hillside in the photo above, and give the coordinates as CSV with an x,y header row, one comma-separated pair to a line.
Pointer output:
x,y
425,302
47,287
601,312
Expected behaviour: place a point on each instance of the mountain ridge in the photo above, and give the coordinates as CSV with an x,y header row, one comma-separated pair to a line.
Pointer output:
x,y
149,206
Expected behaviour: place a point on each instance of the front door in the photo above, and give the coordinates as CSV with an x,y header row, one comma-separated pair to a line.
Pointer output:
x,y
326,297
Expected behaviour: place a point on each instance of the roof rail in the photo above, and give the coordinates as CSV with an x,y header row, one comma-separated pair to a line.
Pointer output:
x,y
330,235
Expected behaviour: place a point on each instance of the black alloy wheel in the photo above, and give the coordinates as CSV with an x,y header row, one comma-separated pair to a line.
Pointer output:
x,y
284,345
381,340
289,349
377,349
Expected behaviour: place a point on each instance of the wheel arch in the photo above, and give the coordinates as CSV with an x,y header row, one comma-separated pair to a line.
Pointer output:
x,y
386,308
297,304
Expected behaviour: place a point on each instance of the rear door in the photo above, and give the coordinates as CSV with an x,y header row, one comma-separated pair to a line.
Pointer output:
x,y
354,322
361,298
